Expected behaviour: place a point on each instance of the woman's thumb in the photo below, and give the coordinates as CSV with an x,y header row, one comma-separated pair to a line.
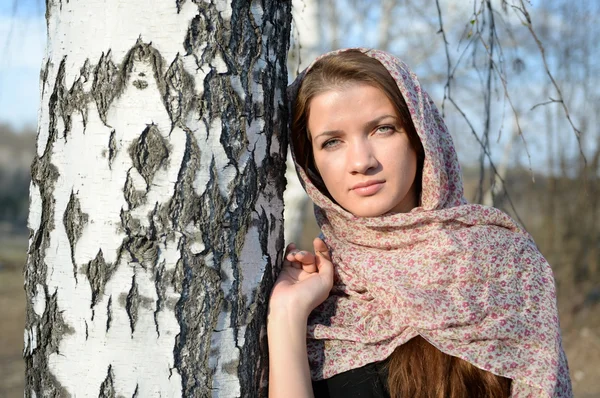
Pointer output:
x,y
324,264
321,248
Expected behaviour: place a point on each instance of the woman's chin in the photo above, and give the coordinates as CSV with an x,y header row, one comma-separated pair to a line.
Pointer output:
x,y
372,208
370,211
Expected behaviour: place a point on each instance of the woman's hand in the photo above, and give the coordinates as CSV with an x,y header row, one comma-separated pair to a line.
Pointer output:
x,y
304,282
305,279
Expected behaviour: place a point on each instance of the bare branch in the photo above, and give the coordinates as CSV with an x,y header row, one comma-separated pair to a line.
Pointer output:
x,y
551,101
522,10
492,67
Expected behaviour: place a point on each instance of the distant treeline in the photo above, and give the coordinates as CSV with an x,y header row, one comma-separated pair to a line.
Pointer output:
x,y
14,189
16,153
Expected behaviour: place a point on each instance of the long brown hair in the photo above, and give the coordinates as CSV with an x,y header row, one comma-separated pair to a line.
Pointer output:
x,y
339,71
416,368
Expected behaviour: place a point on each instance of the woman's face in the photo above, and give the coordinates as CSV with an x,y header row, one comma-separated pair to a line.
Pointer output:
x,y
362,152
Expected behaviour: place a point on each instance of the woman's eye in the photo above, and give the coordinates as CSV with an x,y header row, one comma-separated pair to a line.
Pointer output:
x,y
330,143
385,129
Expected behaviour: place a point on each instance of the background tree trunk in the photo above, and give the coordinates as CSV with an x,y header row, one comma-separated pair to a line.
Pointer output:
x,y
156,198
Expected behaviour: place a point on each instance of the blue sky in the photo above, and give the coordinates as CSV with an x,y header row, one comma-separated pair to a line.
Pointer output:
x,y
22,7
22,41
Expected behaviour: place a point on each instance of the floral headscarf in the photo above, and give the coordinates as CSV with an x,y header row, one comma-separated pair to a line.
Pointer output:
x,y
465,277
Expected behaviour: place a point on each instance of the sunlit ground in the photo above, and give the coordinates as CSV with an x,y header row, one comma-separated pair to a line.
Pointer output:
x,y
12,315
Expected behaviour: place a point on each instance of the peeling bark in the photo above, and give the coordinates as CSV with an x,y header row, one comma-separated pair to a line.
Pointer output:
x,y
74,221
107,388
107,84
156,199
149,152
98,272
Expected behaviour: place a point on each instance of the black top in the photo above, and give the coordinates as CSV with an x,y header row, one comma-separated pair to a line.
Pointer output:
x,y
370,381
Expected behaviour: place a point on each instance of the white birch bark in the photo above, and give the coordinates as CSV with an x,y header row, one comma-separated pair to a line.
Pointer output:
x,y
305,19
156,198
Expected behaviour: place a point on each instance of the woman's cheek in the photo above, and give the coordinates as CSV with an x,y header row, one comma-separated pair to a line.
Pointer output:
x,y
330,167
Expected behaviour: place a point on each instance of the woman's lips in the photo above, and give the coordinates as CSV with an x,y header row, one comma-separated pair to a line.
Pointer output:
x,y
368,188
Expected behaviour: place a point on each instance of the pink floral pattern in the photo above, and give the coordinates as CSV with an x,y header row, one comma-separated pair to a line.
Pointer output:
x,y
465,277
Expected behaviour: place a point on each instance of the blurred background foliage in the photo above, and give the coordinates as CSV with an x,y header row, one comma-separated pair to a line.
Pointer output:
x,y
517,82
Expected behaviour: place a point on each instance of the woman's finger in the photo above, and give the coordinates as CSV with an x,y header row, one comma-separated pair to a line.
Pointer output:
x,y
324,263
307,261
290,249
321,247
305,257
290,253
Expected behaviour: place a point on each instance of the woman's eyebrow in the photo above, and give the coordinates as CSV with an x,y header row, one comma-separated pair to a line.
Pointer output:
x,y
379,119
328,133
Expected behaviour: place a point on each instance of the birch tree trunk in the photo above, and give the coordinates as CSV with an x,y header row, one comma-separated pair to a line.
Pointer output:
x,y
156,198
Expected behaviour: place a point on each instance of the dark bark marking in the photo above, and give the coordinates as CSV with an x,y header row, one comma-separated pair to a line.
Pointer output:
x,y
74,220
183,206
108,313
107,388
136,392
233,127
63,102
273,223
199,305
129,226
140,84
211,211
149,153
178,276
44,76
179,4
112,148
54,107
197,312
56,326
180,97
161,292
75,101
263,232
132,304
107,84
133,197
52,328
86,70
98,272
196,35
243,197
143,250
44,175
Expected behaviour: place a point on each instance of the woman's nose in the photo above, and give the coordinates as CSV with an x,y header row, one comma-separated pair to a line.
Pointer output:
x,y
361,157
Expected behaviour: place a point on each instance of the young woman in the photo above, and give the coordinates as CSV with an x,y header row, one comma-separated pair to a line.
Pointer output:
x,y
410,291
